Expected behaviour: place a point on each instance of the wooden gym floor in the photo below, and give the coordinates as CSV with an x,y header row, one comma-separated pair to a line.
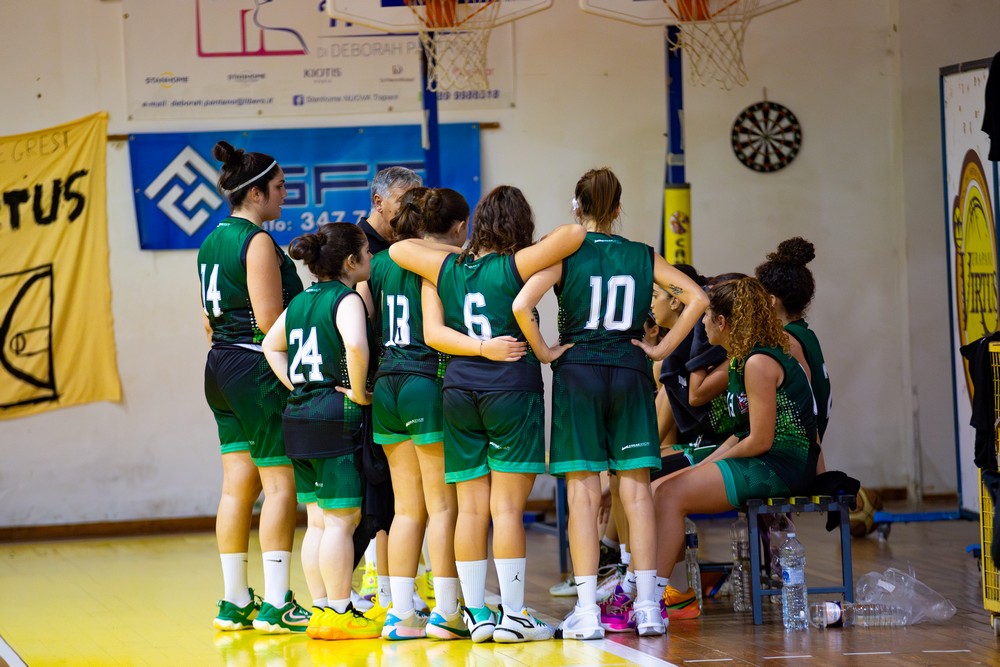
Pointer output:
x,y
150,601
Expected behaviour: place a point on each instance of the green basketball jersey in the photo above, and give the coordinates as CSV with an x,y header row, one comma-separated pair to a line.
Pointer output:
x,y
794,450
478,295
604,297
317,360
817,369
222,267
399,321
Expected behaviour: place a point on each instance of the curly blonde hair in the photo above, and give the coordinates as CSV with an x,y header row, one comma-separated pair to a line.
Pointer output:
x,y
746,305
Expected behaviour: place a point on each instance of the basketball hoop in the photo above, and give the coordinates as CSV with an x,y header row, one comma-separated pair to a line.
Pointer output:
x,y
454,36
711,37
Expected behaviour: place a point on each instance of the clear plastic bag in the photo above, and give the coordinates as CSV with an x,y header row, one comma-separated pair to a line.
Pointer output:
x,y
917,601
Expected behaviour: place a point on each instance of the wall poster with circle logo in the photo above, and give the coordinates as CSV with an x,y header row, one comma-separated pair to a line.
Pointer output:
x,y
970,209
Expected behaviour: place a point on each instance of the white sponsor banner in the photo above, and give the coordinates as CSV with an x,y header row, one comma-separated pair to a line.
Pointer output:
x,y
203,59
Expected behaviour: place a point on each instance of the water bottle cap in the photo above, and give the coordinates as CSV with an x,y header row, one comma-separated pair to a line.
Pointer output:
x,y
790,534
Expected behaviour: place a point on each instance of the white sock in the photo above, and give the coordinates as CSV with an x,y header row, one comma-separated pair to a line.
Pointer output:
x,y
276,566
608,542
472,576
646,584
370,554
626,556
661,587
384,591
321,602
510,573
628,583
586,590
234,579
339,606
446,594
402,594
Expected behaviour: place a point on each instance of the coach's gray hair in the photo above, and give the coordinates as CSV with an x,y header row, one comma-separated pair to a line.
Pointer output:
x,y
394,177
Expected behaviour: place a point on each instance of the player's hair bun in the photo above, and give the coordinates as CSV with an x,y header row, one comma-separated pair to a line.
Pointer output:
x,y
306,247
227,155
795,250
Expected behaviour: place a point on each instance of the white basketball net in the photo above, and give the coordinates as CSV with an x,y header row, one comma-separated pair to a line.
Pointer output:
x,y
454,37
711,36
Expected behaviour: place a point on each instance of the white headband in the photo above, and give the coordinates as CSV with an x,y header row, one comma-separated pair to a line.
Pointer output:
x,y
243,185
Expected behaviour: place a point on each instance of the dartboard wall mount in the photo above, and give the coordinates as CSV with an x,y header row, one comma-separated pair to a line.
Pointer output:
x,y
766,136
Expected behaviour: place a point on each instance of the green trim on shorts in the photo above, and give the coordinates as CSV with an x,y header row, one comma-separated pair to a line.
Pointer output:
x,y
230,447
428,438
651,462
389,438
730,482
272,461
522,467
579,465
339,503
467,475
307,498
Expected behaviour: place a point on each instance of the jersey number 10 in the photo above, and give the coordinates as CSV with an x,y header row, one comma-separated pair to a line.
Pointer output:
x,y
617,285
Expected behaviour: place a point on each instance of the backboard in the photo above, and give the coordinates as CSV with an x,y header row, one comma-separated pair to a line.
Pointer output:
x,y
658,12
395,16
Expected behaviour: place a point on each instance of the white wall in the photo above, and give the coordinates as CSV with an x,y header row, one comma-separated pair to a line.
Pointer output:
x,y
861,75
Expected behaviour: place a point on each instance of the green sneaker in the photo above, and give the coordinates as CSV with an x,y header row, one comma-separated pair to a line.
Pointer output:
x,y
290,617
231,617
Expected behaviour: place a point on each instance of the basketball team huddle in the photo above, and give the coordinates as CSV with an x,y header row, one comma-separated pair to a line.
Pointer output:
x,y
418,348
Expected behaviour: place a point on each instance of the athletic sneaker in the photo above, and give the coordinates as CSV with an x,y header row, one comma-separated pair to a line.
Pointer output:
x,y
616,612
648,620
480,621
447,626
397,628
582,623
564,589
231,617
520,626
290,617
315,622
369,581
424,586
608,581
377,612
609,556
352,624
679,606
419,604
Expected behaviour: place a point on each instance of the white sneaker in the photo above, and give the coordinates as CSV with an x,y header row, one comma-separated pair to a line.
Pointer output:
x,y
360,603
582,623
419,604
648,620
606,586
520,626
564,589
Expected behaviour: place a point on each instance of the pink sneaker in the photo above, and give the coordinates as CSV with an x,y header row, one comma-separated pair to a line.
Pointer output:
x,y
616,612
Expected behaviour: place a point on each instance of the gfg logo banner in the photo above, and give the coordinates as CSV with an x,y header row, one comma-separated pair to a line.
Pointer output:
x,y
328,173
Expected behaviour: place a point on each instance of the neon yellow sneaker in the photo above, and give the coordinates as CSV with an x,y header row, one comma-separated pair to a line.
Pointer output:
x,y
352,624
377,612
425,587
312,630
369,582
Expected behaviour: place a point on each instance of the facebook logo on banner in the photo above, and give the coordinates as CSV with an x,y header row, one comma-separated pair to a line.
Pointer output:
x,y
328,173
298,100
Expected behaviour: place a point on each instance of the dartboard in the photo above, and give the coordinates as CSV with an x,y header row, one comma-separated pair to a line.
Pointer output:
x,y
766,136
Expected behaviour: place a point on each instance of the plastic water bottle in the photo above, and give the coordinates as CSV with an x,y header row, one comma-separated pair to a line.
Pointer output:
x,y
793,579
740,535
838,614
778,533
691,558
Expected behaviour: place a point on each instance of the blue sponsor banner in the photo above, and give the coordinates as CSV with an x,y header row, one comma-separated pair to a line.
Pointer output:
x,y
328,173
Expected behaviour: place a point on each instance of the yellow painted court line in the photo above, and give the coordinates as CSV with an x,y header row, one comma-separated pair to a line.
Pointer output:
x,y
630,654
9,656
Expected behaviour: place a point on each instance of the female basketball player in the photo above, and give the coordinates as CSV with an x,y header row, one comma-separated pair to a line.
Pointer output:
x,y
246,281
321,349
408,422
774,451
603,390
494,444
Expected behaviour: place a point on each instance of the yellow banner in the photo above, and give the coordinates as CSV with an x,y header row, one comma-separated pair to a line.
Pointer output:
x,y
57,343
677,224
